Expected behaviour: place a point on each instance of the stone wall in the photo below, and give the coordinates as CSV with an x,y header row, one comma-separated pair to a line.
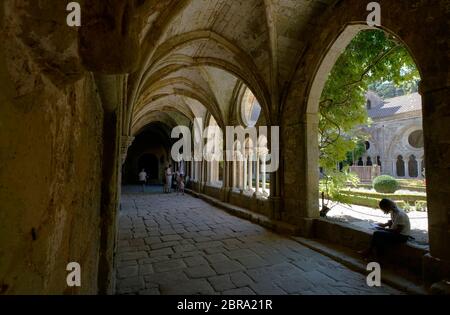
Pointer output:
x,y
50,151
388,139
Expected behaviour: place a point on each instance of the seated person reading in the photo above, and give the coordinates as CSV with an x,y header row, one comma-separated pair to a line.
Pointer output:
x,y
395,231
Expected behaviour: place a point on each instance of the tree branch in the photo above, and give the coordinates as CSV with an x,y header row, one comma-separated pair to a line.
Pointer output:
x,y
373,64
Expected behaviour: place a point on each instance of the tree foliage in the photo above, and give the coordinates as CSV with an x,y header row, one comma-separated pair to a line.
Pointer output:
x,y
372,58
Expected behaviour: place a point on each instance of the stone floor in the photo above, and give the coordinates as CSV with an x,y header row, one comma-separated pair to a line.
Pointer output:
x,y
174,244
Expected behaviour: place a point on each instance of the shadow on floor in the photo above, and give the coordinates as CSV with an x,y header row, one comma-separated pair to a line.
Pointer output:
x,y
137,189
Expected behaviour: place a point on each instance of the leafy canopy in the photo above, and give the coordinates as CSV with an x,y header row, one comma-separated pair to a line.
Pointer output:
x,y
372,58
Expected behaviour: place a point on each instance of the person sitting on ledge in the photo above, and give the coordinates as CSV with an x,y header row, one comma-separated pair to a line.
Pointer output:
x,y
396,231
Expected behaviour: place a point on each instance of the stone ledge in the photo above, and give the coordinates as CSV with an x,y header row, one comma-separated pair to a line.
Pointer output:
x,y
277,226
399,279
408,255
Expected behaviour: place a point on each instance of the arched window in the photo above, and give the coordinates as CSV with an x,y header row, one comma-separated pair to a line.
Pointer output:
x,y
369,161
369,104
415,139
360,162
400,166
250,109
413,170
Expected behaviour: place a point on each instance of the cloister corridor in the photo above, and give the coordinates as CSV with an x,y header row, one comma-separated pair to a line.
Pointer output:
x,y
234,99
175,244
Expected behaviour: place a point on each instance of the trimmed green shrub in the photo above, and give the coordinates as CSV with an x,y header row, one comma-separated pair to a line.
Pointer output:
x,y
385,184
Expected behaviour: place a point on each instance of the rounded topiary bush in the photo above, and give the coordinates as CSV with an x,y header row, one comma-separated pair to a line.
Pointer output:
x,y
385,184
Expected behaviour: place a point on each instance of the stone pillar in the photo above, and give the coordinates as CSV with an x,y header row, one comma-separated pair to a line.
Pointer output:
x,y
198,171
436,127
208,172
394,168
299,197
257,173
250,171
203,175
226,180
241,175
234,174
125,143
263,173
244,186
406,167
419,168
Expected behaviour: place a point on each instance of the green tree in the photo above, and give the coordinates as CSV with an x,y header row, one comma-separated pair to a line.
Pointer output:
x,y
371,58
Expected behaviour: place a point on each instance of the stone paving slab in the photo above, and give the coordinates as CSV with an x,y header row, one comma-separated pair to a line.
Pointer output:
x,y
171,244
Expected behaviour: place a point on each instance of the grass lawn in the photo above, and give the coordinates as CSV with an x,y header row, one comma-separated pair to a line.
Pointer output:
x,y
412,182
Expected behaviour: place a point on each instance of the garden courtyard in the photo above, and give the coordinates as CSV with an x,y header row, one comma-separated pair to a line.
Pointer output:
x,y
360,208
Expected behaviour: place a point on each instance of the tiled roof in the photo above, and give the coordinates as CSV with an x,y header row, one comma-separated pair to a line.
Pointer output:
x,y
397,105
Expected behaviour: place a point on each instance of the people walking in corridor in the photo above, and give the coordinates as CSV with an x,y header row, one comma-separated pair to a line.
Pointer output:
x,y
143,179
169,179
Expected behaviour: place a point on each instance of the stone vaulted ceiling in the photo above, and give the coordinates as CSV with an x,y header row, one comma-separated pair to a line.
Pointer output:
x,y
195,56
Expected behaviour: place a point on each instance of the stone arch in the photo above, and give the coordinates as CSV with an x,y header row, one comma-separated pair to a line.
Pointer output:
x,y
343,22
243,67
260,92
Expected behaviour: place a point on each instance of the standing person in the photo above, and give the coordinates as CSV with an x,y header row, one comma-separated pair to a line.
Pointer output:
x,y
143,179
169,178
181,184
396,231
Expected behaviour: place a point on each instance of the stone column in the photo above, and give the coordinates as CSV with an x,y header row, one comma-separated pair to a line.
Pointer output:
x,y
125,143
241,175
198,171
406,167
394,168
234,173
209,172
244,186
203,174
257,172
436,127
419,169
263,174
250,172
